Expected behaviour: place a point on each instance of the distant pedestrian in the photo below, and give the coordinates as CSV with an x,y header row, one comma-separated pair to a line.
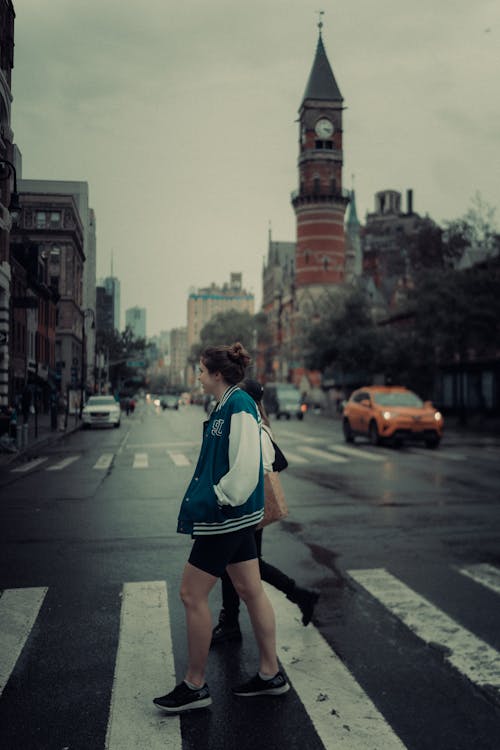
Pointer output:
x,y
26,400
228,628
62,408
221,509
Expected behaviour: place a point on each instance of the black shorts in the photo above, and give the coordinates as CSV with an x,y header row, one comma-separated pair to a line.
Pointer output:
x,y
214,552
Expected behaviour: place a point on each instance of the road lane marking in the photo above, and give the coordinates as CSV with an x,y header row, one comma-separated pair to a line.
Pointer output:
x,y
31,464
357,452
62,464
179,459
19,609
470,655
144,669
341,712
141,461
124,442
104,462
486,575
324,454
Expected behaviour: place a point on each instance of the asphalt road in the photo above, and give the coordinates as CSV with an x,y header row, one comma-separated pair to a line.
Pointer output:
x,y
404,546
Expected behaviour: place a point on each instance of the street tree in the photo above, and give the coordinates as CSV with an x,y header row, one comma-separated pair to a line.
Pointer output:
x,y
344,335
229,326
120,348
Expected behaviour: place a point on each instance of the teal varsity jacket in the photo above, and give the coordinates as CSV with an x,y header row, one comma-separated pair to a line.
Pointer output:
x,y
226,492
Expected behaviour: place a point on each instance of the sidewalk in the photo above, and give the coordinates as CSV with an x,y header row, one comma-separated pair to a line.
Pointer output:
x,y
39,436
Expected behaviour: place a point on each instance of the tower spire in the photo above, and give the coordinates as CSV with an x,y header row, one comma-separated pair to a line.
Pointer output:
x,y
322,84
320,13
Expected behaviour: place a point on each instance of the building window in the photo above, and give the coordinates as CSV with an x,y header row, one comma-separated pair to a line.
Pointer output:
x,y
40,219
55,218
325,264
316,185
320,145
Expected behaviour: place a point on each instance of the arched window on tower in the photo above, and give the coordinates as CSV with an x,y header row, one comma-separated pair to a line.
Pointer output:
x,y
333,186
325,263
316,185
306,257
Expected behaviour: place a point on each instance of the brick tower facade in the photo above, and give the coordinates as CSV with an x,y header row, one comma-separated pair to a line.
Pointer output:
x,y
320,200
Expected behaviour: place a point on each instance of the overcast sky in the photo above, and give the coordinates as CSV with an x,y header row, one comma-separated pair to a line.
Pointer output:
x,y
181,116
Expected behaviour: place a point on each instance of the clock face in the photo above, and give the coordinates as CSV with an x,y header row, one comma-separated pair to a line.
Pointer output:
x,y
324,128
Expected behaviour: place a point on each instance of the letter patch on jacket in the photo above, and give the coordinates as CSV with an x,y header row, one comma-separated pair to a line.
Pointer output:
x,y
217,427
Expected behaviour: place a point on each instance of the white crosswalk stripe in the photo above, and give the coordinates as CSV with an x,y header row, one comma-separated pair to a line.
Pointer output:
x,y
470,655
144,668
295,458
141,461
179,459
62,464
438,454
318,453
357,452
19,609
30,465
486,575
104,461
342,714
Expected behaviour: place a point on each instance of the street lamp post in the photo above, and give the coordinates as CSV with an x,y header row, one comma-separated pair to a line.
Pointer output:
x,y
87,312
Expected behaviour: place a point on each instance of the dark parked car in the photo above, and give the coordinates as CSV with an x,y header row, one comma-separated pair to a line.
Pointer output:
x,y
283,399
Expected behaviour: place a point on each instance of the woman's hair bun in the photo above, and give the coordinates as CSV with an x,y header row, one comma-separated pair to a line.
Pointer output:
x,y
238,353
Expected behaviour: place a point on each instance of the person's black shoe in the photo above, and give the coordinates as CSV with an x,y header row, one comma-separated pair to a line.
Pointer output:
x,y
306,600
183,698
257,686
225,631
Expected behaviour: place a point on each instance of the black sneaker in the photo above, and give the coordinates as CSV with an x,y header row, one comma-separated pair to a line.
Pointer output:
x,y
257,686
183,698
226,631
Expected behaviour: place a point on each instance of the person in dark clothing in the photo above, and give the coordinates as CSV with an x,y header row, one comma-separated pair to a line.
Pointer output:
x,y
228,628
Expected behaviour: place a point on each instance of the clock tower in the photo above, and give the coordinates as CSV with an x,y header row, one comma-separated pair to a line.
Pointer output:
x,y
320,200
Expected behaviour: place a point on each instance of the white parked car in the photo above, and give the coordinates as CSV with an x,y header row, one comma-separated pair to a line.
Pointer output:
x,y
101,410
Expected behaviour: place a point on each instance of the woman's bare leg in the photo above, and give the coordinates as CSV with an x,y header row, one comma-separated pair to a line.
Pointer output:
x,y
195,588
246,580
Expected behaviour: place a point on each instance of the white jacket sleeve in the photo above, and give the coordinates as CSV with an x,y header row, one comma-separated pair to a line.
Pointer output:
x,y
235,487
268,453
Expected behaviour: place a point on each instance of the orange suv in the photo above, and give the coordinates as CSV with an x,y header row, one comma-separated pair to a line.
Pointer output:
x,y
380,412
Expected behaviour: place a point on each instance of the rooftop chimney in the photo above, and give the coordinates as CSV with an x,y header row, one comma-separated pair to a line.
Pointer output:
x,y
409,202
